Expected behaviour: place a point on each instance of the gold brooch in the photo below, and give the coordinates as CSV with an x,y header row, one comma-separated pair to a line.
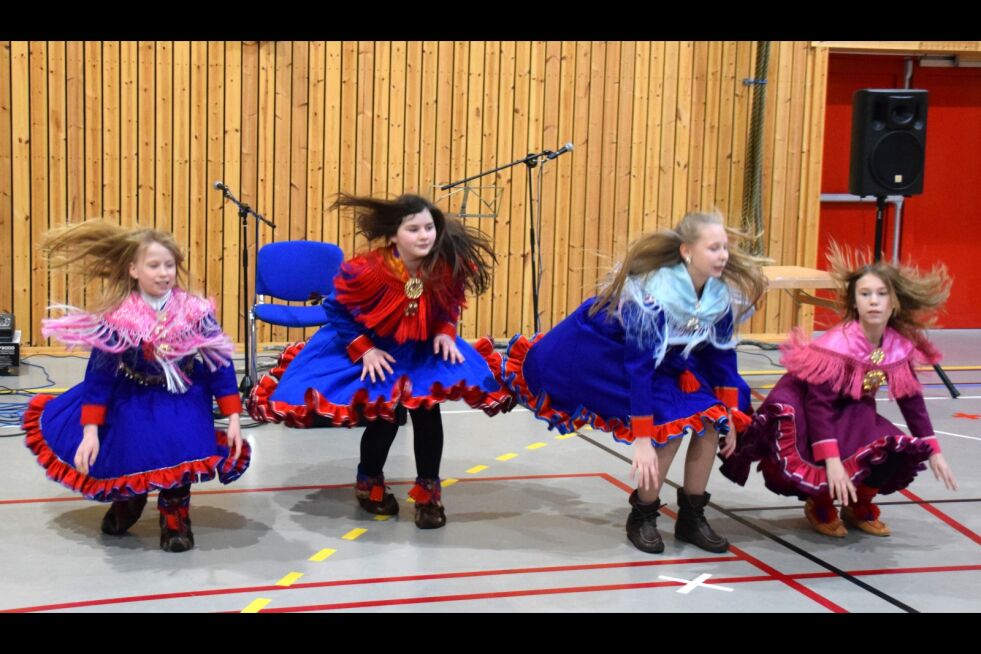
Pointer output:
x,y
873,380
877,356
413,291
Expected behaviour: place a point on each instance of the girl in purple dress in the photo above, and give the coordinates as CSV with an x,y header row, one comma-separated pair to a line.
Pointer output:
x,y
818,435
141,420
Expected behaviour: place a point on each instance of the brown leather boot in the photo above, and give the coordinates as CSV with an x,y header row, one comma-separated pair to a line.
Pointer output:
x,y
642,525
122,515
692,527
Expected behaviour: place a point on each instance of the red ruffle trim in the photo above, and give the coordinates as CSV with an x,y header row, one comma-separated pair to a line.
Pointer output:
x,y
127,486
264,409
565,423
813,477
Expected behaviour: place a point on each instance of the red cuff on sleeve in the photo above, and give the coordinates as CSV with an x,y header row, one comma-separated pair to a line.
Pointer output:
x,y
93,414
728,396
824,449
230,404
358,347
934,444
448,329
642,426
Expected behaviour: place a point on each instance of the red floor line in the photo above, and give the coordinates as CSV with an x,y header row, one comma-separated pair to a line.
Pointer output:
x,y
370,580
273,489
503,594
470,597
823,601
943,516
887,571
801,588
610,587
759,396
718,580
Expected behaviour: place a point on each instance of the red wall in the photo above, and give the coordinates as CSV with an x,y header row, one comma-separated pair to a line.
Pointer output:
x,y
942,224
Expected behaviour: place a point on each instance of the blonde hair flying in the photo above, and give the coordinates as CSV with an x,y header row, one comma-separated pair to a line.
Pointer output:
x,y
99,250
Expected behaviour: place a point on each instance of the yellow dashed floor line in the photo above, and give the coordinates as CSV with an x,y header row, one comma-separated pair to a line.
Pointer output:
x,y
289,579
256,605
474,470
354,533
535,446
323,554
507,457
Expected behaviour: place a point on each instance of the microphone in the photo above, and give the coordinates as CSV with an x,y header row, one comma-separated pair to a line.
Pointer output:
x,y
222,187
565,148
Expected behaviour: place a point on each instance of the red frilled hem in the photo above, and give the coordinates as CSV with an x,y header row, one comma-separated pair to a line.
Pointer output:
x,y
127,486
264,409
541,405
788,473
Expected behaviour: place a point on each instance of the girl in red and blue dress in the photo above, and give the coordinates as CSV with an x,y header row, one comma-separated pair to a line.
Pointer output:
x,y
819,436
651,359
390,345
141,420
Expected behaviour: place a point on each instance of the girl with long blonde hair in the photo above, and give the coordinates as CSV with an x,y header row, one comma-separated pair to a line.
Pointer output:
x,y
651,359
141,420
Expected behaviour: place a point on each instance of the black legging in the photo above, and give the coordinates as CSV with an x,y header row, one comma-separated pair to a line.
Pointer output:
x,y
427,442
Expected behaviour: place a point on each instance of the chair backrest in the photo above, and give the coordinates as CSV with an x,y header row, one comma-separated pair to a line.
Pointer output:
x,y
293,270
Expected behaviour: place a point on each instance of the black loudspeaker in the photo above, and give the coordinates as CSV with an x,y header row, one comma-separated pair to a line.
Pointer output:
x,y
888,142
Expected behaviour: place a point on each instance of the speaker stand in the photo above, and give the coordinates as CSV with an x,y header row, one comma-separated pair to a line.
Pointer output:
x,y
880,211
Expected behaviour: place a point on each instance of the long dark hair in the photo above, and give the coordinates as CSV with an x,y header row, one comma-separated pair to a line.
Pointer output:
x,y
466,250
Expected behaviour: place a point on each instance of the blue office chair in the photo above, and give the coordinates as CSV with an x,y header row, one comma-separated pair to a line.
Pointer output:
x,y
296,271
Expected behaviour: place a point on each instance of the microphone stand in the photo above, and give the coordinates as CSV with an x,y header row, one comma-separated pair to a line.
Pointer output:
x,y
530,161
244,210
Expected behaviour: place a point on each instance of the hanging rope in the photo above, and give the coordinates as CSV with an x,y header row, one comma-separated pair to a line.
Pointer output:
x,y
752,216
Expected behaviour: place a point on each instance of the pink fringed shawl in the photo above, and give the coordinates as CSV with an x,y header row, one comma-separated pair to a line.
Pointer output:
x,y
186,326
841,357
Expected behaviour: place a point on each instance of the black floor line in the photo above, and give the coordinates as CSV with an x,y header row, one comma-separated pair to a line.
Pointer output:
x,y
797,550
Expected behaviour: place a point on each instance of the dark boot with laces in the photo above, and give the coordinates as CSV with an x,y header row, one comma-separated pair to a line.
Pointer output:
x,y
642,525
692,527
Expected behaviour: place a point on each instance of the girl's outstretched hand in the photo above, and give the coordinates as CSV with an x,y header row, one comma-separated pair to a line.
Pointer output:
x,y
443,343
234,436
88,450
375,364
839,485
942,471
643,470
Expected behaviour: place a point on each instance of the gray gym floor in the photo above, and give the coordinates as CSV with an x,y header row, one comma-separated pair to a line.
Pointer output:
x,y
535,523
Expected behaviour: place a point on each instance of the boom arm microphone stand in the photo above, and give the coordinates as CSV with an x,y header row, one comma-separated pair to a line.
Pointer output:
x,y
244,210
530,161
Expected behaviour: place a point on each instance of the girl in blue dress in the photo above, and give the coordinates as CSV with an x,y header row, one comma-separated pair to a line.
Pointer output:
x,y
650,359
141,420
390,346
